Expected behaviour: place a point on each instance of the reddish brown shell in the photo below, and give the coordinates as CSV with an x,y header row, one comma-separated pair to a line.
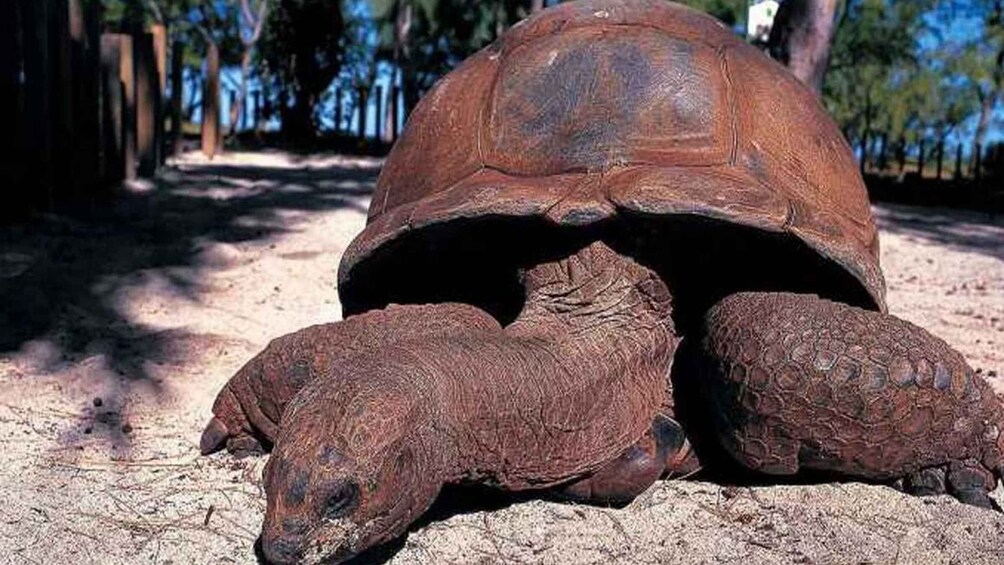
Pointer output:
x,y
602,107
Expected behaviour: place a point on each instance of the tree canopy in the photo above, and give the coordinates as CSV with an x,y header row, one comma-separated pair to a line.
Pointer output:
x,y
898,70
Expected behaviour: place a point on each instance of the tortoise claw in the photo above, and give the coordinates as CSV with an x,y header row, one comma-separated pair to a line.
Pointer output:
x,y
663,449
926,482
214,437
971,483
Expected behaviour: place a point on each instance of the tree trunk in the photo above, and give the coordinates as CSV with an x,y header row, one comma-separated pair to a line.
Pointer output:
x,y
298,118
987,106
193,97
883,160
256,22
801,39
402,56
238,106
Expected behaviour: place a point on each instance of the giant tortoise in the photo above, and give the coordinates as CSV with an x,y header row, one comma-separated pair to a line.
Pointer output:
x,y
627,244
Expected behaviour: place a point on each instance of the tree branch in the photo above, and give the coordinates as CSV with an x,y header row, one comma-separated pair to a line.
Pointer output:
x,y
155,11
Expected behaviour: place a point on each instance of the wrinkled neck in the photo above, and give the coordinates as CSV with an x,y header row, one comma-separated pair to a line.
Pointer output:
x,y
593,290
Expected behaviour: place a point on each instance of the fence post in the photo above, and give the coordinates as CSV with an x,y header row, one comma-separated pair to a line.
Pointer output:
x,y
177,78
883,161
338,110
978,163
112,167
920,160
159,35
378,120
38,101
127,75
147,103
84,25
256,97
11,109
233,106
246,112
211,103
363,103
63,96
901,154
395,115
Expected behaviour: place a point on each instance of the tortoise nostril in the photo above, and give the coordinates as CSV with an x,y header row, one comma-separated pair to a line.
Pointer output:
x,y
294,526
342,501
282,550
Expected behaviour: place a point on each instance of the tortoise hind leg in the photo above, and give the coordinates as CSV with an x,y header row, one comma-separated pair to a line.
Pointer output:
x,y
798,382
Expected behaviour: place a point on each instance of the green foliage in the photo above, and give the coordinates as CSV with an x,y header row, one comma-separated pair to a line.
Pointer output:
x,y
897,69
731,12
192,22
440,33
882,81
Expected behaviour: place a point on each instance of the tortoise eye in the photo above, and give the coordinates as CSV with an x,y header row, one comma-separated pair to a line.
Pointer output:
x,y
342,500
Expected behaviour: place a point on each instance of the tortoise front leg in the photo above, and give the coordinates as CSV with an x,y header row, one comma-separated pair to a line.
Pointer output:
x,y
795,381
248,411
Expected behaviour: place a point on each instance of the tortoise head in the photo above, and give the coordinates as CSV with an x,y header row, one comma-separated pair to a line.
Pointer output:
x,y
326,501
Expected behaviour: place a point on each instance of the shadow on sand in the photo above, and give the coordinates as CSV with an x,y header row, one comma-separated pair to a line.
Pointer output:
x,y
961,230
60,275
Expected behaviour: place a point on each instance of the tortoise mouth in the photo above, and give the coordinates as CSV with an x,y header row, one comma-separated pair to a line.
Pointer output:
x,y
477,261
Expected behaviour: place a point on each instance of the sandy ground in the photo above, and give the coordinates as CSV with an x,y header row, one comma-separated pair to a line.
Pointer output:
x,y
120,325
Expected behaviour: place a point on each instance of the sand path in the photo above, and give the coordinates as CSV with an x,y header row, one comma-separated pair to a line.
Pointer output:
x,y
119,328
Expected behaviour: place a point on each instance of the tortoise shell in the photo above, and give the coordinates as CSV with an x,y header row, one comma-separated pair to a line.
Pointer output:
x,y
603,109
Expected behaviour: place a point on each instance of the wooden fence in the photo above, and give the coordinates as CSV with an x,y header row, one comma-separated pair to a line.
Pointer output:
x,y
82,107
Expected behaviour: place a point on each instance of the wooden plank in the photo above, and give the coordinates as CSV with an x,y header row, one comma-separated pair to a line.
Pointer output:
x,y
39,177
127,76
378,116
159,33
338,110
233,111
112,145
82,131
147,104
63,96
211,104
395,117
177,76
12,160
363,98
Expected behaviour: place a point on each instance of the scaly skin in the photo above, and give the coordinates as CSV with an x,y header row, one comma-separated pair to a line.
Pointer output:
x,y
247,412
537,405
797,382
